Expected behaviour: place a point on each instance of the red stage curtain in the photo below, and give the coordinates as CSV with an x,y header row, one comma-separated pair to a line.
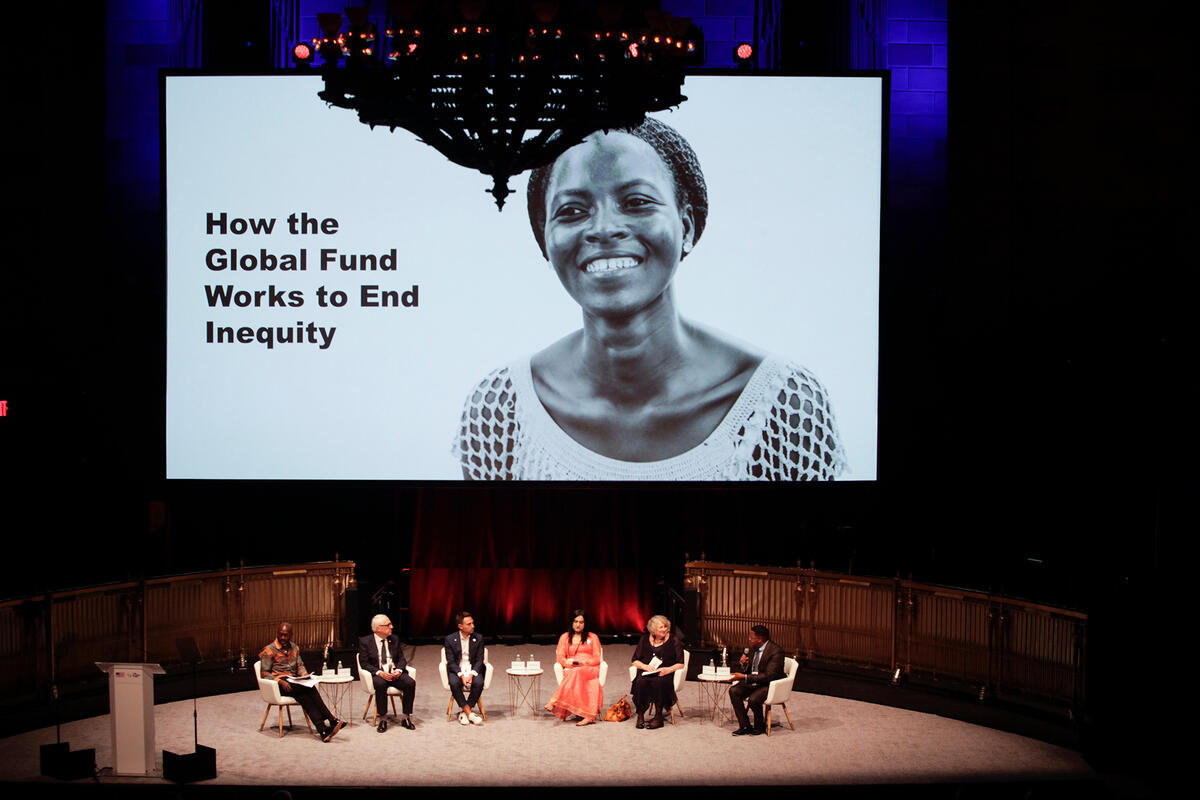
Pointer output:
x,y
522,560
516,600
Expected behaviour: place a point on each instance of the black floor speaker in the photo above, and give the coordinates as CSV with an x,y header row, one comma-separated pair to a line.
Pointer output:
x,y
59,762
188,767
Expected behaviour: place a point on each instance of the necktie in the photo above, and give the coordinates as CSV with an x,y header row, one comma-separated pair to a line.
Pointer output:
x,y
383,659
754,666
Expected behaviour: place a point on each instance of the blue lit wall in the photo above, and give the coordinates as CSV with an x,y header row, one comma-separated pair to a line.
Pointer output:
x,y
917,57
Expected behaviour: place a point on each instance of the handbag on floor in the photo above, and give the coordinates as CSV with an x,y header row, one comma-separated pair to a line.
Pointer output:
x,y
618,711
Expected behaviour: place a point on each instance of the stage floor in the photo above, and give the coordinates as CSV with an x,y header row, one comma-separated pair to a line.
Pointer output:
x,y
835,742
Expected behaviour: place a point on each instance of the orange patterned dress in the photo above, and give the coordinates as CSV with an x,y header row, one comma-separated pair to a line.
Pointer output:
x,y
580,692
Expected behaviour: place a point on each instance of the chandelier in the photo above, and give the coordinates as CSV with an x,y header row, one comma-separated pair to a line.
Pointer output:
x,y
503,87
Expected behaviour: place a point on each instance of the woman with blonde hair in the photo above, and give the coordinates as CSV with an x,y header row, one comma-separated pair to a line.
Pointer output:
x,y
657,657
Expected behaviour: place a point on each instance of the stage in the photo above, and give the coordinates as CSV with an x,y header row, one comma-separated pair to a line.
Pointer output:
x,y
836,742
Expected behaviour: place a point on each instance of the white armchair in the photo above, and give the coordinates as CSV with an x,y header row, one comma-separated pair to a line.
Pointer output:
x,y
487,681
268,688
678,679
779,690
366,683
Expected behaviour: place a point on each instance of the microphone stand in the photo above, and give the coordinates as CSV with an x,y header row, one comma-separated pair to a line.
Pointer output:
x,y
201,763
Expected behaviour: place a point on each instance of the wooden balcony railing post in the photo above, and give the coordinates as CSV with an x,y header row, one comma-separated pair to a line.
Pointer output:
x,y
227,612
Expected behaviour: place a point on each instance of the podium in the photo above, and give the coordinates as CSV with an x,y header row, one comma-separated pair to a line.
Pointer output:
x,y
131,709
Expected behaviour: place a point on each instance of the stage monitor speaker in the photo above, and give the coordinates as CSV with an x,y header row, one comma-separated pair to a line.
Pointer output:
x,y
58,761
188,767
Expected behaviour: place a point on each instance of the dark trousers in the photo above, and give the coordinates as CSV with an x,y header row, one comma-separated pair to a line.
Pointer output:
x,y
456,688
404,683
740,695
310,700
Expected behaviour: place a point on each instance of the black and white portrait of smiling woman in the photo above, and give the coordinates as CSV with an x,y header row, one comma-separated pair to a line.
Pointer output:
x,y
699,300
640,392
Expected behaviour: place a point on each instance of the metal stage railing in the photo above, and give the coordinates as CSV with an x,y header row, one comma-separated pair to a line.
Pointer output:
x,y
991,643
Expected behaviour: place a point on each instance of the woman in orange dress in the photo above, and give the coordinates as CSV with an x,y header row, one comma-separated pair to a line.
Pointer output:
x,y
580,693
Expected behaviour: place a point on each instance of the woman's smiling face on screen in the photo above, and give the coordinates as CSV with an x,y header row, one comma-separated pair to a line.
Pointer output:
x,y
614,233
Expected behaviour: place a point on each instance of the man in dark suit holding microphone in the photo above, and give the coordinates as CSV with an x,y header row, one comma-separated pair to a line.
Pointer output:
x,y
380,654
465,669
763,663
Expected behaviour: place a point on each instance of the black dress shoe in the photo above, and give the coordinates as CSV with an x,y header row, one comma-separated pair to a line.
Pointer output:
x,y
655,723
405,722
758,731
382,726
743,732
333,729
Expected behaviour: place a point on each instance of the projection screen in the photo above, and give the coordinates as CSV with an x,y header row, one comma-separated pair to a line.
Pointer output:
x,y
335,293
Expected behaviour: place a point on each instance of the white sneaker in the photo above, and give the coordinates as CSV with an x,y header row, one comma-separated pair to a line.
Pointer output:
x,y
476,719
462,718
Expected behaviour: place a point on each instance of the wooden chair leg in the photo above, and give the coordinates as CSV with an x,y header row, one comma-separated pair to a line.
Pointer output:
x,y
768,720
482,710
265,715
789,716
281,721
367,707
449,705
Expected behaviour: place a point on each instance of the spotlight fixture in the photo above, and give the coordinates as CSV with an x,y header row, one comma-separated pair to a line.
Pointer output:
x,y
303,54
743,55
500,91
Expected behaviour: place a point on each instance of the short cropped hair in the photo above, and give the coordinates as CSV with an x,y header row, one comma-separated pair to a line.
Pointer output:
x,y
762,631
379,619
460,616
672,148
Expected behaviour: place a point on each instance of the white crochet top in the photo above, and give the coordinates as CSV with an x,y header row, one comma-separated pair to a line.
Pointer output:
x,y
780,428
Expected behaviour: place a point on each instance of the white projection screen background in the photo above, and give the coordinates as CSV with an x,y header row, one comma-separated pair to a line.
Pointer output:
x,y
788,263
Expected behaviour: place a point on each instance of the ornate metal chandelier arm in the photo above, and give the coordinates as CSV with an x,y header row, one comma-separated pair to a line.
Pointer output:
x,y
496,94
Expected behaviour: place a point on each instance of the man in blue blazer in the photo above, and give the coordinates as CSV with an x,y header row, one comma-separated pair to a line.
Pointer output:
x,y
380,654
465,669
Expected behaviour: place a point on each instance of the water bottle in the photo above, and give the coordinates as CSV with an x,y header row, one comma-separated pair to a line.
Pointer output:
x,y
339,669
324,667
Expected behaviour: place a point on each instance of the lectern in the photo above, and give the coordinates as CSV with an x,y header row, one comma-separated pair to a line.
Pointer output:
x,y
131,708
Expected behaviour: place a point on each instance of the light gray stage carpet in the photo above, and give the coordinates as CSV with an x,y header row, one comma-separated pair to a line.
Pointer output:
x,y
835,741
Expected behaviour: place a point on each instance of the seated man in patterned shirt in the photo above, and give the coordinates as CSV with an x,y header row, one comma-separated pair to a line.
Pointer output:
x,y
281,660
